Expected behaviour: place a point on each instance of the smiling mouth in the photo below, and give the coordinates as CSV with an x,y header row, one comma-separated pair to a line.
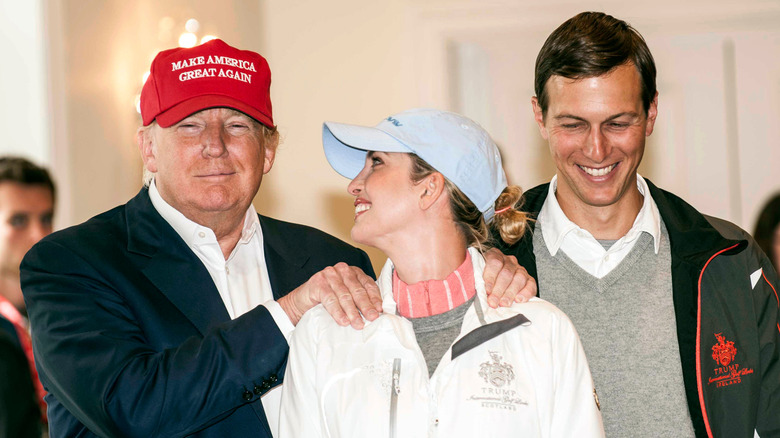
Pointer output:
x,y
360,208
592,171
217,175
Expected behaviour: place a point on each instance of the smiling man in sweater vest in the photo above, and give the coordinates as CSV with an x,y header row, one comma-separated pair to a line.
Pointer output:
x,y
677,311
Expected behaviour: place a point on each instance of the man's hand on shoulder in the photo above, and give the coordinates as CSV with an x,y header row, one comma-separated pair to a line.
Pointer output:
x,y
345,291
506,280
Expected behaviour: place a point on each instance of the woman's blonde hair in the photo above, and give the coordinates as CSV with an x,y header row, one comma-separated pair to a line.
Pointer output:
x,y
510,223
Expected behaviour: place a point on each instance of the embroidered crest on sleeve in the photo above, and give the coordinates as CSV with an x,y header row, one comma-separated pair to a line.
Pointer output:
x,y
727,372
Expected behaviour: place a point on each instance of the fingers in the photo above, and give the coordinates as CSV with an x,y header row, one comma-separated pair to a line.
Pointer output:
x,y
374,306
503,293
347,292
528,288
506,281
494,262
336,293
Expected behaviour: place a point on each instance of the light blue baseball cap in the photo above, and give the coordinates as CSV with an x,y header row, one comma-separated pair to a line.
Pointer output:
x,y
454,145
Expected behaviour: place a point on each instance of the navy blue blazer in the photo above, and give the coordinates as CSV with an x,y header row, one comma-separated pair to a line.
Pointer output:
x,y
131,337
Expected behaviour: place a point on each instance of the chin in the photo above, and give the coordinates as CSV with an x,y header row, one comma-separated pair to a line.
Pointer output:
x,y
360,236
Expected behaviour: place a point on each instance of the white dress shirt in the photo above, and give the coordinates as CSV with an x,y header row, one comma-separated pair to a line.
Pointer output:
x,y
242,280
581,247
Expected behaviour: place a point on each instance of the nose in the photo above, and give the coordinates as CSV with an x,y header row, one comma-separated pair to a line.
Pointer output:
x,y
355,186
597,147
213,141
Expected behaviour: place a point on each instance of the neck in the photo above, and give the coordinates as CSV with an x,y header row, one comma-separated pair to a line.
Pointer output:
x,y
227,222
228,232
609,222
432,253
226,225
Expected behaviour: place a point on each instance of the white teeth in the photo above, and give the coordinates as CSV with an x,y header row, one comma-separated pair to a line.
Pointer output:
x,y
362,207
598,172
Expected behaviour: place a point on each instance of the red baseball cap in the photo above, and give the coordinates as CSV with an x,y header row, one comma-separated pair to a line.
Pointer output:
x,y
214,74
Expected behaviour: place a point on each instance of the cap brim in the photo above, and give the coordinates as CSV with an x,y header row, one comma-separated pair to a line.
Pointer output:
x,y
178,112
346,146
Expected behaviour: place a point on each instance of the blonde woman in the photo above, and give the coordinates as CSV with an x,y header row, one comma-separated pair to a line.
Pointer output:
x,y
439,361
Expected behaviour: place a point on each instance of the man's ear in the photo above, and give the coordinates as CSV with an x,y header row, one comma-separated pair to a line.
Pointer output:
x,y
431,189
145,139
652,113
269,154
539,116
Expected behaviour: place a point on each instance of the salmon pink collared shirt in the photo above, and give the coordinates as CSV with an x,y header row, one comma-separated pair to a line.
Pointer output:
x,y
433,297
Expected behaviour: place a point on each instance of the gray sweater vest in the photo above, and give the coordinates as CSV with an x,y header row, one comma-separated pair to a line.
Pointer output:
x,y
627,326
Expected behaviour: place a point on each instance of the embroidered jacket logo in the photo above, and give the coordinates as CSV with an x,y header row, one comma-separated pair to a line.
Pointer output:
x,y
496,373
728,372
724,351
500,394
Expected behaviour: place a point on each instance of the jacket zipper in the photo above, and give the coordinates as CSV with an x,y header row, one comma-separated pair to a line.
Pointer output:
x,y
699,384
395,388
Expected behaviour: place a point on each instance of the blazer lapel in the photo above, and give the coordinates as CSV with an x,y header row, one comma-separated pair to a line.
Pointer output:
x,y
172,266
284,259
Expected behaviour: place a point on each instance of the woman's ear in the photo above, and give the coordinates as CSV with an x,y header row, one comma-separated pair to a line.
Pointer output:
x,y
432,187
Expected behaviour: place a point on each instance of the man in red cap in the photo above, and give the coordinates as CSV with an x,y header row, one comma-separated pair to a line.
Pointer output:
x,y
168,316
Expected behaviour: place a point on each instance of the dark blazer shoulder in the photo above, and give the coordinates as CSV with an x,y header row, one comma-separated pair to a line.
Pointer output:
x,y
132,227
303,236
308,247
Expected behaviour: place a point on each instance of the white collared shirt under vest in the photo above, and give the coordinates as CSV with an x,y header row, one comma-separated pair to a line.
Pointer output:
x,y
517,371
582,248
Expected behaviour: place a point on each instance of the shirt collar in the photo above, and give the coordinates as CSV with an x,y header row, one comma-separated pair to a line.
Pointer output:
x,y
556,226
193,233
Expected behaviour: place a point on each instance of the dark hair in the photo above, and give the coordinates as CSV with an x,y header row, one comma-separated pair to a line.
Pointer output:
x,y
510,224
767,223
22,171
592,44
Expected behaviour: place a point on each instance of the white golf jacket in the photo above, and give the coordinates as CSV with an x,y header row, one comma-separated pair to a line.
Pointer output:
x,y
512,372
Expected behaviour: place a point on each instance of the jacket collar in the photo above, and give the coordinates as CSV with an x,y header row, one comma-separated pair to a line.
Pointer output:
x,y
385,283
683,223
171,266
480,323
285,258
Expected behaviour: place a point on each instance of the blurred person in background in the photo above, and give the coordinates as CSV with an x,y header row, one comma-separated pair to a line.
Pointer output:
x,y
767,230
27,197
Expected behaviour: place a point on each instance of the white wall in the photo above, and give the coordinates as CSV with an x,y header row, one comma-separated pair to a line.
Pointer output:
x,y
24,116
